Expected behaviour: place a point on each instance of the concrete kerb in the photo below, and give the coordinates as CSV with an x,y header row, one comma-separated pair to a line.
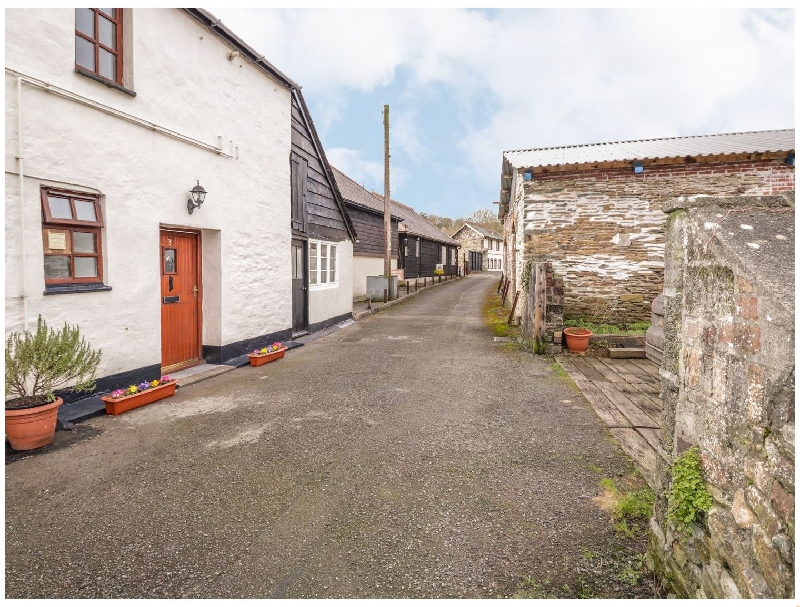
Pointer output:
x,y
382,306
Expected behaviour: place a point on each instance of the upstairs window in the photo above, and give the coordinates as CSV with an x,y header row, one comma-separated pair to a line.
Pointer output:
x,y
98,42
71,234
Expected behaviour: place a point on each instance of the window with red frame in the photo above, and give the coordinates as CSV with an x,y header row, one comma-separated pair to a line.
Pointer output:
x,y
98,42
72,237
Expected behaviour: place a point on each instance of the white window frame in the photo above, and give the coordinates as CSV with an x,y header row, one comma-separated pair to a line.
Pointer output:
x,y
444,256
329,253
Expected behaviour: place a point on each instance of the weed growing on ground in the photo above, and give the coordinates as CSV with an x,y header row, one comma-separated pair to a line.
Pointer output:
x,y
496,317
530,588
634,328
631,572
588,554
629,508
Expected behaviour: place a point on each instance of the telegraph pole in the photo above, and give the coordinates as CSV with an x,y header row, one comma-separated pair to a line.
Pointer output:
x,y
387,218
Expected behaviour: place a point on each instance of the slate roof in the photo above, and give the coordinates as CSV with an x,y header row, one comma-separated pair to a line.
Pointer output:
x,y
353,192
482,230
415,224
673,147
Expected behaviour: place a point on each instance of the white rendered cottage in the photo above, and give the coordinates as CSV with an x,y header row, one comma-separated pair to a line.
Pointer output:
x,y
112,118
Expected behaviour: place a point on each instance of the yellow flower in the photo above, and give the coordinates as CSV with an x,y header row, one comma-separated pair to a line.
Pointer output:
x,y
154,383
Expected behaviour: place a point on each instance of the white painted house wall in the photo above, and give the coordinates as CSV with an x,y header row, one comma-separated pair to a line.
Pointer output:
x,y
363,266
495,252
184,82
326,301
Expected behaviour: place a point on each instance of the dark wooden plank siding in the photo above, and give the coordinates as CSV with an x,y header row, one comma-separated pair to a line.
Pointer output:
x,y
369,227
430,254
323,216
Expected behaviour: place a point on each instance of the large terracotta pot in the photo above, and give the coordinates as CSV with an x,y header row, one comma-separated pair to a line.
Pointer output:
x,y
577,339
33,427
115,406
263,359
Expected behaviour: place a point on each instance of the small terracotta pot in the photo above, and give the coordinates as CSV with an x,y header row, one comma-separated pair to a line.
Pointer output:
x,y
577,339
33,427
256,360
115,406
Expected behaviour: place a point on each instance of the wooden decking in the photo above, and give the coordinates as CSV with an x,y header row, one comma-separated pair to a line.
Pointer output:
x,y
625,395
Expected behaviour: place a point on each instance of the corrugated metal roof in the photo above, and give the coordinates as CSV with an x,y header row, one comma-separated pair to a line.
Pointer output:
x,y
674,147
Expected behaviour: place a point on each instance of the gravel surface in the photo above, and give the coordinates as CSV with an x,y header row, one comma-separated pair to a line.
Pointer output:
x,y
408,455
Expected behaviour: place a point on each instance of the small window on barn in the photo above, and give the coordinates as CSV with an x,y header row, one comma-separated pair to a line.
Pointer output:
x,y
322,264
313,253
71,233
417,255
452,256
444,255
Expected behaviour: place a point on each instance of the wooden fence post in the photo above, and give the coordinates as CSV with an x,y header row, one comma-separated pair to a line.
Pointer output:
x,y
513,308
538,289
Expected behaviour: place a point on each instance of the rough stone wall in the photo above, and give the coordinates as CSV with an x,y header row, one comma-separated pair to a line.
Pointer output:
x,y
471,241
604,229
728,387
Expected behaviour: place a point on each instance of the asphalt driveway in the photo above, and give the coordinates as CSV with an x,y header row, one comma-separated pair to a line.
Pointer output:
x,y
408,455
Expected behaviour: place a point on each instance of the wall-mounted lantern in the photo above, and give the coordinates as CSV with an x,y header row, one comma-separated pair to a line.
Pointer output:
x,y
198,193
638,167
527,175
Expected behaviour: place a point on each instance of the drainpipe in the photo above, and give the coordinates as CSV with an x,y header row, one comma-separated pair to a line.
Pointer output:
x,y
22,204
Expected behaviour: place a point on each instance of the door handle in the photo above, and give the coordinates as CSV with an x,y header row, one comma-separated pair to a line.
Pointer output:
x,y
170,284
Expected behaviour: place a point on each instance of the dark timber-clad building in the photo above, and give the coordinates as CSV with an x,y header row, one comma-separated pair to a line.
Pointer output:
x,y
417,245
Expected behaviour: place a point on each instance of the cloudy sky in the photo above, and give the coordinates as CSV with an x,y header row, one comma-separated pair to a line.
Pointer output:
x,y
465,85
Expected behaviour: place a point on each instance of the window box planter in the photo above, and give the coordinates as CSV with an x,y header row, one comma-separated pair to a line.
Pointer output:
x,y
577,339
115,406
33,427
266,355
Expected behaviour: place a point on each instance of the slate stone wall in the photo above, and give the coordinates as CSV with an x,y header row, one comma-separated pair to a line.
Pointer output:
x,y
728,387
603,230
470,240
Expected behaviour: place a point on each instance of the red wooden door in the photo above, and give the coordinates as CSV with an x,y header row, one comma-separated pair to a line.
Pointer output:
x,y
180,301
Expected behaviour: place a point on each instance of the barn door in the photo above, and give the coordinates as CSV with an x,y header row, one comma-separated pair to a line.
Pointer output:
x,y
299,288
180,301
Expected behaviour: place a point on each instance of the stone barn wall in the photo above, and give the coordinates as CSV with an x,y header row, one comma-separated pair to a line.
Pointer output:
x,y
604,229
728,388
469,240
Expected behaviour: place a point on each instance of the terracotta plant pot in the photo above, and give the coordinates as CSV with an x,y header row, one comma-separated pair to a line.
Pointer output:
x,y
577,339
115,406
256,360
32,427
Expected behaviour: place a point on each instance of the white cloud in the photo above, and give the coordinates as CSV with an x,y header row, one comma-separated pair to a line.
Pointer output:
x,y
555,77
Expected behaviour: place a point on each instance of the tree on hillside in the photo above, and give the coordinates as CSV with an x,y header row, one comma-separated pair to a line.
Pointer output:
x,y
487,218
443,223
